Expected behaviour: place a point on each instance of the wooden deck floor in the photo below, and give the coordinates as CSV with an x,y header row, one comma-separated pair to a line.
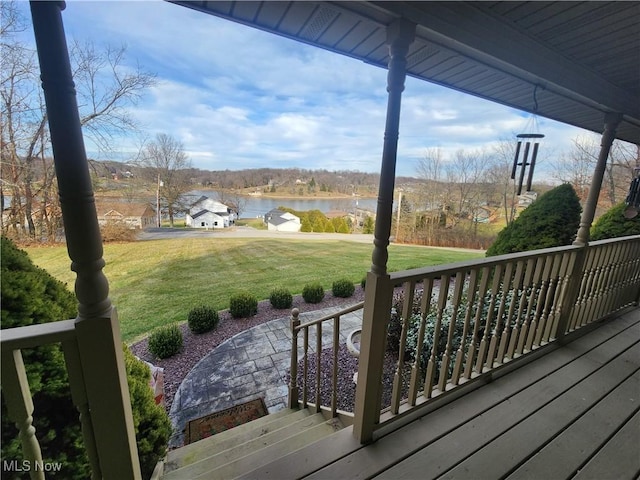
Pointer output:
x,y
573,413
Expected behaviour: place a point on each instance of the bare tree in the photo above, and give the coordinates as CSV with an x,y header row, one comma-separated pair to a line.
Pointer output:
x,y
23,130
434,194
576,167
105,89
464,176
453,192
499,178
234,201
166,158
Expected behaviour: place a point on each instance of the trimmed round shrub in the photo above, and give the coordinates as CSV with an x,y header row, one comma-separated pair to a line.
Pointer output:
x,y
165,341
242,305
343,288
313,293
202,319
280,298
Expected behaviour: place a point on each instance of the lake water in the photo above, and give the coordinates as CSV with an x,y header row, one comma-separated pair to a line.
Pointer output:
x,y
258,206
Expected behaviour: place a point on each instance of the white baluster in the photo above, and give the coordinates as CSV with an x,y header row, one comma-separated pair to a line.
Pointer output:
x,y
20,409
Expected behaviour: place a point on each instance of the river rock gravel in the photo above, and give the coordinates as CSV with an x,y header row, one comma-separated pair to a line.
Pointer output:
x,y
196,347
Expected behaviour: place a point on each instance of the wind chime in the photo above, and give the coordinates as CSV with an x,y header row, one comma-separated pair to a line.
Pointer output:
x,y
633,197
522,158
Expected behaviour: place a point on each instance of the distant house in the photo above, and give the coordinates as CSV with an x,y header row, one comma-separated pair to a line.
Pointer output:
x,y
279,221
527,199
208,213
133,215
482,215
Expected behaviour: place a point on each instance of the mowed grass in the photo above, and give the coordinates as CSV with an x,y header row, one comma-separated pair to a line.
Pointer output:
x,y
154,283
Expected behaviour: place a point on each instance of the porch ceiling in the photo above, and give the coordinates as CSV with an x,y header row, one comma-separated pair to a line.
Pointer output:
x,y
583,57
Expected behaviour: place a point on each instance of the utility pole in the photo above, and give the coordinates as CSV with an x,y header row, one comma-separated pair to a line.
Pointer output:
x,y
159,184
398,216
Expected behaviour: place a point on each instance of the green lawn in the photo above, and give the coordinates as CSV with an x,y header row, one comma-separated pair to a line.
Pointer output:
x,y
153,283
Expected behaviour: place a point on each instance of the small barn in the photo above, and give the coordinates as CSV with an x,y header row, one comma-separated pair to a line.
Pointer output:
x,y
279,221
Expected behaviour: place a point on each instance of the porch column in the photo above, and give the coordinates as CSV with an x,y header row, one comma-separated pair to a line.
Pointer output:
x,y
378,293
611,122
97,328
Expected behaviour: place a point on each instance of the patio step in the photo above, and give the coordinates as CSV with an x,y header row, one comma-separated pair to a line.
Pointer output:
x,y
230,454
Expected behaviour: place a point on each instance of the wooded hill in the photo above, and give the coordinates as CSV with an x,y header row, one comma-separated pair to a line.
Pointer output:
x,y
285,181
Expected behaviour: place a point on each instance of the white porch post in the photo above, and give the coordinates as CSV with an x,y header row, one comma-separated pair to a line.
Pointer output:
x,y
611,122
378,294
98,334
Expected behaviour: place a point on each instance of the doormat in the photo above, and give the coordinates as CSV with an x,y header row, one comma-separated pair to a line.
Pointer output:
x,y
224,420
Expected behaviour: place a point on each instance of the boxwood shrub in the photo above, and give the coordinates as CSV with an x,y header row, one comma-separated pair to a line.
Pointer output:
x,y
202,319
343,288
242,305
313,293
280,298
165,341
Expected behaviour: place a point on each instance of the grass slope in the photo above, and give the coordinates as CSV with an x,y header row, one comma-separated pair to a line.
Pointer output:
x,y
154,283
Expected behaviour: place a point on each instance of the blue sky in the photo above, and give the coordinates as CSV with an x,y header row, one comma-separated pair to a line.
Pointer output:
x,y
237,97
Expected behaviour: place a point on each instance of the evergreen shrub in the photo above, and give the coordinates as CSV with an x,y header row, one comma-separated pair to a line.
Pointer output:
x,y
166,341
343,288
551,221
242,305
202,319
280,298
313,293
32,296
150,421
613,224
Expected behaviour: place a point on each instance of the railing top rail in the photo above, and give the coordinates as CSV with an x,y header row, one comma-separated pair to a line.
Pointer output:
x,y
331,316
452,268
629,238
37,335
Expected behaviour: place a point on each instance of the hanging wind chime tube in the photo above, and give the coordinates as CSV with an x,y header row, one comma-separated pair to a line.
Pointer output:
x,y
633,197
527,139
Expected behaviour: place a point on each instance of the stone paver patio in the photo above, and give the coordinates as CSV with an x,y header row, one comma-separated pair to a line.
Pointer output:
x,y
252,364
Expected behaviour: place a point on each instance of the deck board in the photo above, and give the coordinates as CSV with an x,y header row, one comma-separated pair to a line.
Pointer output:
x,y
497,458
431,446
519,423
566,453
498,419
619,459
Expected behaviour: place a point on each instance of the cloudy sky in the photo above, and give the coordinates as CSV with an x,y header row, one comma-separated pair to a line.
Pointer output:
x,y
240,98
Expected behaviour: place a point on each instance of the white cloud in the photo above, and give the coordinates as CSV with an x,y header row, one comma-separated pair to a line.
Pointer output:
x,y
238,97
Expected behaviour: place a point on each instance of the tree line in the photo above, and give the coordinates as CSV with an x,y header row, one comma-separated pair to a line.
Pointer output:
x,y
458,194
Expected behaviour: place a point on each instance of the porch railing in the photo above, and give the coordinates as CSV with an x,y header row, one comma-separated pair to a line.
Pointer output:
x,y
314,346
454,323
463,320
108,457
17,393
